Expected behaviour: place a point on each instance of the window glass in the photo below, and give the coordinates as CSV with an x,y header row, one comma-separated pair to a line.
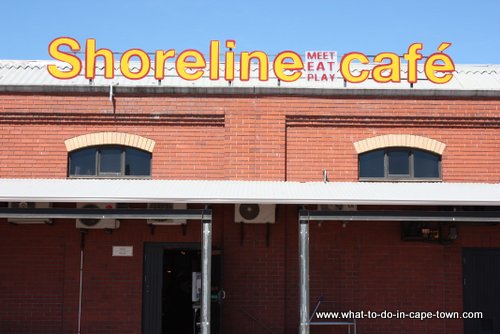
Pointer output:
x,y
399,163
426,164
110,160
371,164
82,162
137,162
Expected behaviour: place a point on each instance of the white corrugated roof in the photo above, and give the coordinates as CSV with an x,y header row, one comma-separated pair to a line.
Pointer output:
x,y
23,72
260,192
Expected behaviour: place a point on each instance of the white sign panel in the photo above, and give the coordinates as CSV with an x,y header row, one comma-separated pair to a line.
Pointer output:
x,y
321,65
123,250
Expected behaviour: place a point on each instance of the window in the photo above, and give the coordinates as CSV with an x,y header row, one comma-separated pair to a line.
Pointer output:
x,y
109,161
399,164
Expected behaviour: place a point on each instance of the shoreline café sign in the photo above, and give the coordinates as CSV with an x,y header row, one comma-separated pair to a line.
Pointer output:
x,y
288,66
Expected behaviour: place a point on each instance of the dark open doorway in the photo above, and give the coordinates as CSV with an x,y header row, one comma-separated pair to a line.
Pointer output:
x,y
482,290
171,289
177,300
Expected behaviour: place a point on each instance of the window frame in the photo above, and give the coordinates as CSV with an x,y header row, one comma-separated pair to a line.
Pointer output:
x,y
410,177
107,175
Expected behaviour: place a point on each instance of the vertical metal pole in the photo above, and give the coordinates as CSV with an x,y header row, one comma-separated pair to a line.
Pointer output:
x,y
304,273
206,273
80,293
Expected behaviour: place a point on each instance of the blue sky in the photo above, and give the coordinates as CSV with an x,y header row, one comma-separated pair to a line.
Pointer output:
x,y
28,26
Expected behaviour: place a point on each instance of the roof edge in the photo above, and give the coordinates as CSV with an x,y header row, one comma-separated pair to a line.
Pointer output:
x,y
250,91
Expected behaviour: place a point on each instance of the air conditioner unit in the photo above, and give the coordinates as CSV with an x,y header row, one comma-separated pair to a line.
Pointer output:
x,y
90,223
255,213
167,206
29,205
337,207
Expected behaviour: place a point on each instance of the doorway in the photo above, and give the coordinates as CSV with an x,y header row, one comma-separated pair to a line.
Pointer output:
x,y
171,299
482,290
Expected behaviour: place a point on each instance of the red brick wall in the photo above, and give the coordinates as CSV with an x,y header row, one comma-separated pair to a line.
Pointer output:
x,y
363,266
32,272
262,138
40,270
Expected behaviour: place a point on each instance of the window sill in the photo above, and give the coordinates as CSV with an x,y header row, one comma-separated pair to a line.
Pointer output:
x,y
402,180
101,177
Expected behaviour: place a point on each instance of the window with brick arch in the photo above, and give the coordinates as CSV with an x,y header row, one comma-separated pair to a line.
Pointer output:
x,y
109,161
399,164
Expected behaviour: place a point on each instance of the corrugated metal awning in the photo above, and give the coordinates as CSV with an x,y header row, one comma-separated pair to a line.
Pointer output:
x,y
260,192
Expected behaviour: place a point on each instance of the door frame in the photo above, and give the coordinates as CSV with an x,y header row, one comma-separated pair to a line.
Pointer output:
x,y
473,251
153,270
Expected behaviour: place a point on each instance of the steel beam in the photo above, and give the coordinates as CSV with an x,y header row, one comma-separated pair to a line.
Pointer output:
x,y
198,214
406,216
82,213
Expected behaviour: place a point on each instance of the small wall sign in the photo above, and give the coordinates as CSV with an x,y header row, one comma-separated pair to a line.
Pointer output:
x,y
123,250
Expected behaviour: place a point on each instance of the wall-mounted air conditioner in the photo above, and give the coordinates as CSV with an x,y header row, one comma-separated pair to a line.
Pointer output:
x,y
29,205
255,213
337,207
167,206
90,223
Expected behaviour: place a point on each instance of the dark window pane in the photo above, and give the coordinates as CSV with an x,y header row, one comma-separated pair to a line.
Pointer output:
x,y
371,164
82,162
399,162
137,162
110,160
426,164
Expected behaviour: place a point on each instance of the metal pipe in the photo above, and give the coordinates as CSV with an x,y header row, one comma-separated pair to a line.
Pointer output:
x,y
257,321
193,214
80,293
206,271
409,215
111,94
304,274
320,300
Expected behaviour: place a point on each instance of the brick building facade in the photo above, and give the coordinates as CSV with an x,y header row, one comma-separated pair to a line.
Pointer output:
x,y
247,134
